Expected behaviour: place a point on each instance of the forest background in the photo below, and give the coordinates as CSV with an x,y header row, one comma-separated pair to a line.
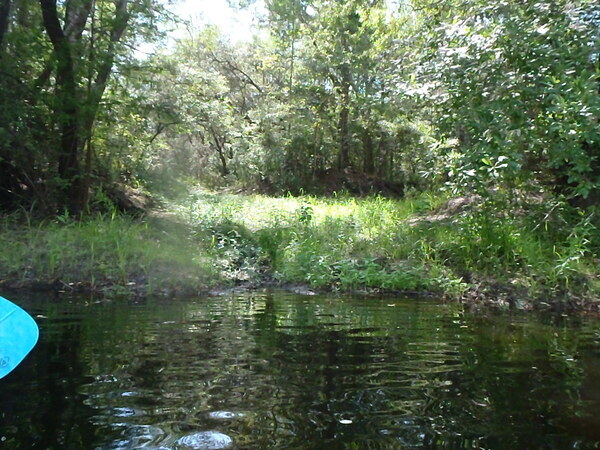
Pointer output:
x,y
448,146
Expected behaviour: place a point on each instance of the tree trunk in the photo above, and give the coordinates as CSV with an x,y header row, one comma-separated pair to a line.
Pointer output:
x,y
382,160
87,178
344,152
67,109
390,162
97,88
77,15
4,13
76,116
368,153
220,147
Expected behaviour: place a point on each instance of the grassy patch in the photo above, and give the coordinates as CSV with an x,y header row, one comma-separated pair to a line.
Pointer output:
x,y
102,253
338,243
333,243
349,243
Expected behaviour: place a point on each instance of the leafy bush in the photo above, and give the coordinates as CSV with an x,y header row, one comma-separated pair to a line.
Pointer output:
x,y
515,88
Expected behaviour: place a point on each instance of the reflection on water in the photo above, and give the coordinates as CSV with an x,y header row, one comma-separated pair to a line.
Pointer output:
x,y
274,370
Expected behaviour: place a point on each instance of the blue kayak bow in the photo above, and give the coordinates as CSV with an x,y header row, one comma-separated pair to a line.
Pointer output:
x,y
18,335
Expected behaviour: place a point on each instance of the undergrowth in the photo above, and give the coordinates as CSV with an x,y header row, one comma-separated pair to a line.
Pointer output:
x,y
340,243
345,243
109,252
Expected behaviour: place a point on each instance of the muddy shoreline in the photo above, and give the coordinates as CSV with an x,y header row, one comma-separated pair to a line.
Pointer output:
x,y
482,296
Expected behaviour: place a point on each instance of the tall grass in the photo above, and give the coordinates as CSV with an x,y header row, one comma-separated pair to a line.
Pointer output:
x,y
336,243
340,242
349,243
102,252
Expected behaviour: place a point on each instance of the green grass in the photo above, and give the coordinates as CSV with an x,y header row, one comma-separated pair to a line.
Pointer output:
x,y
337,243
104,252
348,243
333,243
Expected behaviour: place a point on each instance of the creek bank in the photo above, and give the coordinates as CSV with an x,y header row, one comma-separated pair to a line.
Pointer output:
x,y
482,296
491,294
208,243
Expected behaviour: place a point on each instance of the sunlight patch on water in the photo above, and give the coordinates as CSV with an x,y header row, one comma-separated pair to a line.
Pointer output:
x,y
225,415
205,440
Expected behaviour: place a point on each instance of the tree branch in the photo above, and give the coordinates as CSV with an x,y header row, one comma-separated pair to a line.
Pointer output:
x,y
234,68
78,12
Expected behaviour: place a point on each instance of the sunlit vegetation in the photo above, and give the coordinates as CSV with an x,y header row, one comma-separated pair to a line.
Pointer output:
x,y
341,243
355,125
110,254
419,243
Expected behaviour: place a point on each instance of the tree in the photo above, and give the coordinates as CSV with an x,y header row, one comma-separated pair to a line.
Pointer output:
x,y
208,91
335,59
64,85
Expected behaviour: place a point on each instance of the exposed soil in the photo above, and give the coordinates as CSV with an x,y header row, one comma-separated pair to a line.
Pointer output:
x,y
491,294
449,209
481,296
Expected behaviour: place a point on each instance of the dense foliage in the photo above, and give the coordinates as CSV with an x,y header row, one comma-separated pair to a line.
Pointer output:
x,y
411,95
516,90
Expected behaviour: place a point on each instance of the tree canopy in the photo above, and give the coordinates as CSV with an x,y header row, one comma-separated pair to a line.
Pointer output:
x,y
356,95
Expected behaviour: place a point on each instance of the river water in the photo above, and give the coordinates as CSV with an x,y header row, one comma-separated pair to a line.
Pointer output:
x,y
276,370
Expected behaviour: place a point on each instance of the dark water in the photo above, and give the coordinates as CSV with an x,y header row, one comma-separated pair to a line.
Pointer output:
x,y
280,371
